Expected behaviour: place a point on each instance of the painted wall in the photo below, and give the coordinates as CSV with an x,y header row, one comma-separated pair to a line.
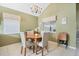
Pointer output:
x,y
28,22
0,23
61,10
77,15
8,39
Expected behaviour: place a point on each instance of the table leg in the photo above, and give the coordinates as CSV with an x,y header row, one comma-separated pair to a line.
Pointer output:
x,y
36,46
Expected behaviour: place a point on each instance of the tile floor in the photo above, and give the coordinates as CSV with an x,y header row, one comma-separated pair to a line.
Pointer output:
x,y
77,45
54,50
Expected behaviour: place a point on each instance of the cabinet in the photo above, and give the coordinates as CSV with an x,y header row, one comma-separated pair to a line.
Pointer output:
x,y
48,24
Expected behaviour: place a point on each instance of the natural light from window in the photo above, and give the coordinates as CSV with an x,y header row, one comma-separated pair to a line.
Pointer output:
x,y
11,23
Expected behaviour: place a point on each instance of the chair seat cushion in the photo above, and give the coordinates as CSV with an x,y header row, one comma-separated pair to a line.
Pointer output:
x,y
29,43
40,44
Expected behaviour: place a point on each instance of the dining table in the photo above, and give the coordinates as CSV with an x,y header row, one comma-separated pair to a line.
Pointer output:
x,y
35,37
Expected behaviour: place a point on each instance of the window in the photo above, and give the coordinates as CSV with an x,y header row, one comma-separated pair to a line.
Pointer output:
x,y
11,23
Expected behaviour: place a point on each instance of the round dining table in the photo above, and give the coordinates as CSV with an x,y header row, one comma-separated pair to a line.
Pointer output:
x,y
35,37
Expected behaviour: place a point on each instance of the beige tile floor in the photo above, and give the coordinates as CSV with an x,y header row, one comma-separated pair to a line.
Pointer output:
x,y
54,50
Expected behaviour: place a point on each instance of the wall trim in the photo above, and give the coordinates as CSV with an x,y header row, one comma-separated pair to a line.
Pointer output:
x,y
72,47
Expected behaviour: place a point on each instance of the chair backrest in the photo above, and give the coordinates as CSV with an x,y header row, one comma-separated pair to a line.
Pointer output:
x,y
45,37
23,39
62,36
30,33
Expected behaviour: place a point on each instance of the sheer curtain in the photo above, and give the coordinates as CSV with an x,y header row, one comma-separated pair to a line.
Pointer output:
x,y
11,23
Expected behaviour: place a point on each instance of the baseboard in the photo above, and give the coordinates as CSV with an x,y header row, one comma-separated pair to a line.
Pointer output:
x,y
72,47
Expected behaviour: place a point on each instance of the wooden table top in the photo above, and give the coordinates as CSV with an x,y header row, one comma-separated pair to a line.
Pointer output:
x,y
35,36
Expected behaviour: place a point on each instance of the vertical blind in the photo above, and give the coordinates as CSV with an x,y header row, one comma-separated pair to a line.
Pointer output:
x,y
11,23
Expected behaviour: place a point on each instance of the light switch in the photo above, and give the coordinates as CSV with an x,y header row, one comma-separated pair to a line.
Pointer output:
x,y
64,20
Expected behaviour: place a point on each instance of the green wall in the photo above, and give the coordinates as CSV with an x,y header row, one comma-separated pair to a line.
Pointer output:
x,y
8,39
61,10
77,15
0,23
28,22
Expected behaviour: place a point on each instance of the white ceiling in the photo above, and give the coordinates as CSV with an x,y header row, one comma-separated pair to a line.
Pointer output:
x,y
24,7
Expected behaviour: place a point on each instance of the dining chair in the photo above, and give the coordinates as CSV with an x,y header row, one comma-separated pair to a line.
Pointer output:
x,y
30,33
25,43
63,38
44,42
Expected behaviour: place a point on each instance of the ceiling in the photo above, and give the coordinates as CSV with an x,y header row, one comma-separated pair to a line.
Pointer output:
x,y
24,7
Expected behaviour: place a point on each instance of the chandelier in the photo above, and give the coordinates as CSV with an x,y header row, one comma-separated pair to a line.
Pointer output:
x,y
36,9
